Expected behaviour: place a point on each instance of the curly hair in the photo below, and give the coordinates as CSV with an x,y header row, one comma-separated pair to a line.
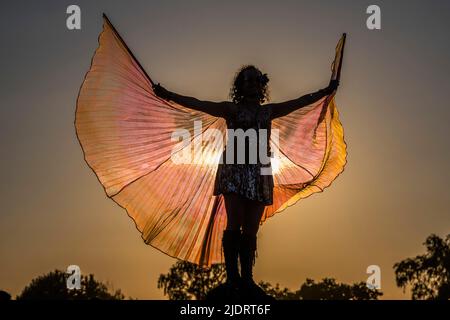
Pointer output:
x,y
236,92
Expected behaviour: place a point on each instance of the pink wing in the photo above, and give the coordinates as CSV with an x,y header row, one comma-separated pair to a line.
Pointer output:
x,y
311,148
126,135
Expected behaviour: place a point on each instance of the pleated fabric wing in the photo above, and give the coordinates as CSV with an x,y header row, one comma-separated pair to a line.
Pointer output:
x,y
126,133
309,146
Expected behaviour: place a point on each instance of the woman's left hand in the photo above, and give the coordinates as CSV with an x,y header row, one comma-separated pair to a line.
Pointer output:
x,y
334,84
161,92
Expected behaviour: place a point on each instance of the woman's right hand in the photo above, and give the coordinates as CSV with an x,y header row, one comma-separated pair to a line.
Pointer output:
x,y
333,85
161,92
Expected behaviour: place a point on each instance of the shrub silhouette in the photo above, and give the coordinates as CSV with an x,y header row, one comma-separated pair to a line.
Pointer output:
x,y
53,286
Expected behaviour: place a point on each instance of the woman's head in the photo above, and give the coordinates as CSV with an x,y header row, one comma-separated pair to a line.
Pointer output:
x,y
249,84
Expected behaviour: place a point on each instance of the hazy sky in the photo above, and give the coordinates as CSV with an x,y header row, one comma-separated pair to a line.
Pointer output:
x,y
392,100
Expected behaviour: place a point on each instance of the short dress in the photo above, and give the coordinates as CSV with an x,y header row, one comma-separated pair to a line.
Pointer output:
x,y
247,179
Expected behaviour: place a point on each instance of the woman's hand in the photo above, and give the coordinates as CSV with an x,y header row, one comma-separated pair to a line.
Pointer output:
x,y
161,92
334,84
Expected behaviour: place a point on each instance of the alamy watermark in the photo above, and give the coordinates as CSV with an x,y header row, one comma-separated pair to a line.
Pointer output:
x,y
373,22
243,147
73,21
374,280
74,279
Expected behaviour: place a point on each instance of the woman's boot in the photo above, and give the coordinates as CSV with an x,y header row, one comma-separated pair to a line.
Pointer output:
x,y
230,243
247,256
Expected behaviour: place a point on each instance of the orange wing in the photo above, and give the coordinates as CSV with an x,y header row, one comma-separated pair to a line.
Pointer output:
x,y
310,151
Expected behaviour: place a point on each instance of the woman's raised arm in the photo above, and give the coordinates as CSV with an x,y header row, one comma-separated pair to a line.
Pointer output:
x,y
216,109
284,108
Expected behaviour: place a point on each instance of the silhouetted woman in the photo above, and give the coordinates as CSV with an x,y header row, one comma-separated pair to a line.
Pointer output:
x,y
245,189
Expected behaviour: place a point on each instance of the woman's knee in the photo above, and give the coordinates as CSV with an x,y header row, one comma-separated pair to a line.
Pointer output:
x,y
250,230
235,211
252,218
233,224
251,224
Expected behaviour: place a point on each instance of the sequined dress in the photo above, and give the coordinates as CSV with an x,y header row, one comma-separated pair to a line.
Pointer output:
x,y
247,179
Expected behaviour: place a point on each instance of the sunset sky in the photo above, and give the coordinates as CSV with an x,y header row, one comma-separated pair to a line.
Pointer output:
x,y
392,101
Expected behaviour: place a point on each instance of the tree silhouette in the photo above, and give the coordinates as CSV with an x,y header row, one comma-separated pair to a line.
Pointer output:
x,y
187,281
277,292
53,286
4,296
427,274
329,289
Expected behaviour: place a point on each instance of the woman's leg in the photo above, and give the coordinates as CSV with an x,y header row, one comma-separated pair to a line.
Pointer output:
x,y
247,250
234,205
252,217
